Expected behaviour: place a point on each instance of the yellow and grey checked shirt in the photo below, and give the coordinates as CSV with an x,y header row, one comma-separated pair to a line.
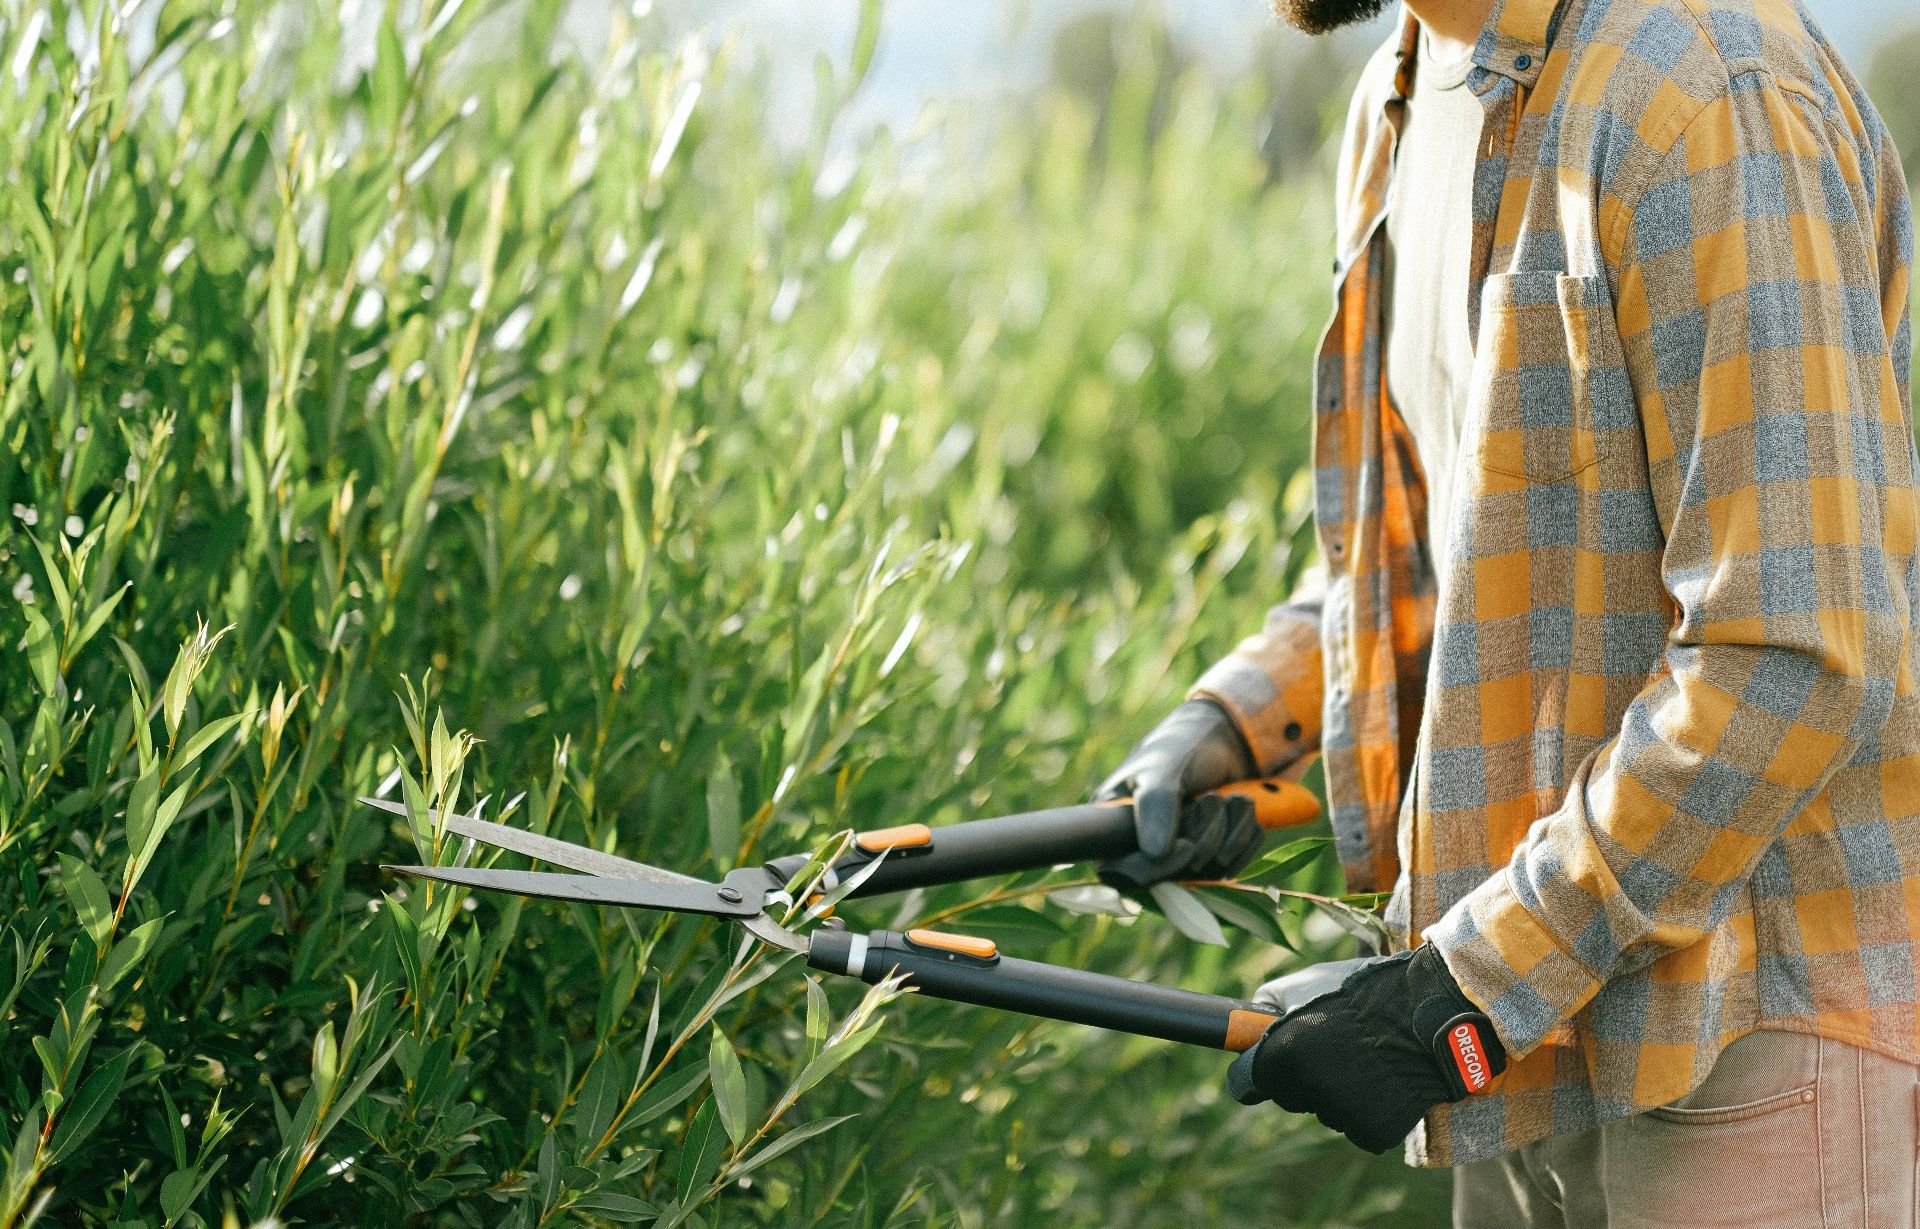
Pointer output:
x,y
1657,708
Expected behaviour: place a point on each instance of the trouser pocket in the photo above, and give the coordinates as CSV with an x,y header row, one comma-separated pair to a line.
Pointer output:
x,y
1742,1149
1758,1075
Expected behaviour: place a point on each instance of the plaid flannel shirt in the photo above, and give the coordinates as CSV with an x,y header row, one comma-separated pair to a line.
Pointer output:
x,y
1656,710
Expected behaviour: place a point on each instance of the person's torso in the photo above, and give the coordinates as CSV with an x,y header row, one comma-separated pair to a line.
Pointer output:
x,y
1548,613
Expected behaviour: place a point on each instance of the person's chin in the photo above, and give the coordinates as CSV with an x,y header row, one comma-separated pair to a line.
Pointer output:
x,y
1324,16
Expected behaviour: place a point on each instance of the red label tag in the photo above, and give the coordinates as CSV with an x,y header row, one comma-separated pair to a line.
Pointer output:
x,y
1469,1056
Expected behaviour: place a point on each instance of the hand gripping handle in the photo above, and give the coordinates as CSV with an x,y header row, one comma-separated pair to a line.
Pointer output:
x,y
966,969
918,856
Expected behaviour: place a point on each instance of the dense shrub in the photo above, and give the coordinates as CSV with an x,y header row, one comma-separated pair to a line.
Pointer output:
x,y
366,385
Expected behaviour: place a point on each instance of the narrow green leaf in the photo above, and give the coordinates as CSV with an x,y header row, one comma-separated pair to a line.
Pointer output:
x,y
389,75
668,1093
128,952
546,1173
81,1115
326,1062
865,39
1012,923
175,689
616,995
97,619
177,1192
206,736
723,813
43,653
418,822
346,1100
653,1032
700,1152
829,1059
786,1143
600,1096
1187,914
1092,899
1277,863
729,1086
614,1205
89,898
1248,911
62,599
168,811
20,1165
404,933
137,675
817,1020
142,801
142,731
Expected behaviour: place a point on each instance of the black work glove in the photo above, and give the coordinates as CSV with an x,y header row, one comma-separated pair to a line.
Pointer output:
x,y
1372,1057
1197,748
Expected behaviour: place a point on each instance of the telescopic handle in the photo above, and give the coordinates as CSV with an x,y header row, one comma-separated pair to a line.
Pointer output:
x,y
918,856
966,969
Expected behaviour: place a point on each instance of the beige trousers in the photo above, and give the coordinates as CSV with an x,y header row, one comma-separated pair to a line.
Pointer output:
x,y
1787,1132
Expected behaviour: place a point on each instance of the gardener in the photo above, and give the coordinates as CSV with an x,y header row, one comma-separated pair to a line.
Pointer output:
x,y
1611,657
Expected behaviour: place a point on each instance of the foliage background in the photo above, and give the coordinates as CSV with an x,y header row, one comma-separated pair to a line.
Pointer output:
x,y
728,495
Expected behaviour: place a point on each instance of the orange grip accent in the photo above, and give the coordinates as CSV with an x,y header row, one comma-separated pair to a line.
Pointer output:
x,y
965,945
906,836
1246,1028
1277,803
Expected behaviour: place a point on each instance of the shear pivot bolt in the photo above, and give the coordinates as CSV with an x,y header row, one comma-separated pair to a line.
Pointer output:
x,y
729,895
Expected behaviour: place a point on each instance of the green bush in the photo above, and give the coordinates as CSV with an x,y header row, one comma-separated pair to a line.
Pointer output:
x,y
363,389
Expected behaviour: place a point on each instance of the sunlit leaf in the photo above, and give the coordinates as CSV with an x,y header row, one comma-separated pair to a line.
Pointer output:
x,y
1188,915
89,896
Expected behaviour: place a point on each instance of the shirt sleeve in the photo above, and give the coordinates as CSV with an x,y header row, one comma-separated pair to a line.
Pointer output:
x,y
1757,336
1271,684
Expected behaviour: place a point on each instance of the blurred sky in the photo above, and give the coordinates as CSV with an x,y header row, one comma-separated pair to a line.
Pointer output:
x,y
951,50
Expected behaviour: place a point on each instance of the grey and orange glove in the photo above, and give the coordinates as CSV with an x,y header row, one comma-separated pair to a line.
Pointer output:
x,y
1197,748
1370,1057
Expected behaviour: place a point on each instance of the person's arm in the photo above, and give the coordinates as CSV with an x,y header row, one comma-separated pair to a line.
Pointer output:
x,y
1757,335
1253,714
1271,684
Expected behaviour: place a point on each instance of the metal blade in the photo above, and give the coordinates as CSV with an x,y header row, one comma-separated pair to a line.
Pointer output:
x,y
694,896
547,849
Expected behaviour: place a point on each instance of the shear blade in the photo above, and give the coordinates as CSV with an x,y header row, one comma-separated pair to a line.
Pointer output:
x,y
545,848
692,896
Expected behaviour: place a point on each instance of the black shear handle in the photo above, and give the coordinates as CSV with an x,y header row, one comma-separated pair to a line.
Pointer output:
x,y
966,969
918,856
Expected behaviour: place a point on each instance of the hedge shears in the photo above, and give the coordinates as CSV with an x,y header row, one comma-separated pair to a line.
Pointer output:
x,y
958,967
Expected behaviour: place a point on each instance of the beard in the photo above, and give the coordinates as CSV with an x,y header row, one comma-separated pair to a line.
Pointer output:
x,y
1322,16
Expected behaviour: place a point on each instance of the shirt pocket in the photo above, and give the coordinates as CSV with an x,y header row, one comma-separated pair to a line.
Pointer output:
x,y
1549,382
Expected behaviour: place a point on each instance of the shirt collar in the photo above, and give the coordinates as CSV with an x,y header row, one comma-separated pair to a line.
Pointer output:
x,y
1514,43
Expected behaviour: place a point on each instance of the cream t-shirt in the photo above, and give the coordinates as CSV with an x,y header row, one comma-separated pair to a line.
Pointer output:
x,y
1429,253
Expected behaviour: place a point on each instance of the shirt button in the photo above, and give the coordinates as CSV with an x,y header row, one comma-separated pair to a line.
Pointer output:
x,y
1292,732
1523,63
